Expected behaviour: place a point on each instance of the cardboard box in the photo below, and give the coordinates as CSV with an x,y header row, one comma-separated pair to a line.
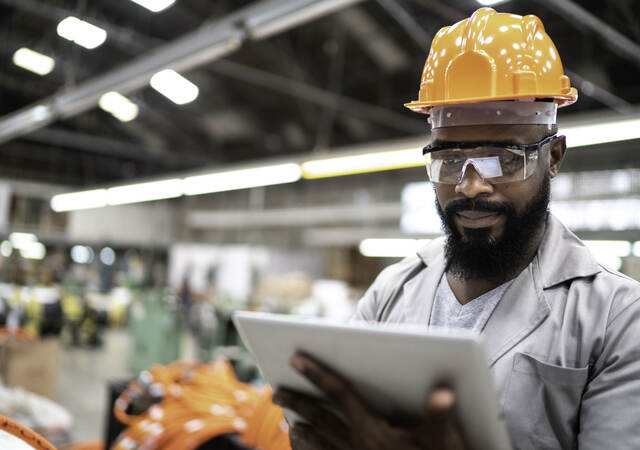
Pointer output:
x,y
31,365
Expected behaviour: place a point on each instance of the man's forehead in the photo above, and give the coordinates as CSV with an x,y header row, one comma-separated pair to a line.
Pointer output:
x,y
503,134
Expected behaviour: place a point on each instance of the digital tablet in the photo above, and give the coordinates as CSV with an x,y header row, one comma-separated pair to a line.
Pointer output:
x,y
392,368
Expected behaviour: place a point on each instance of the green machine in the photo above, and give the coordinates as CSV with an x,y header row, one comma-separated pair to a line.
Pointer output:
x,y
155,326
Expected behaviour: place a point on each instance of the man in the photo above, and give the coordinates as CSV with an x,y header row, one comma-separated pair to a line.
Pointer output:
x,y
562,332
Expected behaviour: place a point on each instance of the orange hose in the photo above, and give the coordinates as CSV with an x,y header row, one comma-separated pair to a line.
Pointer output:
x,y
25,434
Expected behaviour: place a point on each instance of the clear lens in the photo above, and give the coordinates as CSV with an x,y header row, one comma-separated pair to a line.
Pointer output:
x,y
494,164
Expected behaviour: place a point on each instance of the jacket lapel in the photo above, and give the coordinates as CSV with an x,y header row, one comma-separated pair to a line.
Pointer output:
x,y
561,257
522,308
420,291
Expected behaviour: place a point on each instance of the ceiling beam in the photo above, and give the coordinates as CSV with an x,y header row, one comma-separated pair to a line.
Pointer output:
x,y
600,94
322,97
612,38
407,22
210,42
129,40
90,143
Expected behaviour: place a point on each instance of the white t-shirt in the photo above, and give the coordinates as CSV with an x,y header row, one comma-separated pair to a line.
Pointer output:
x,y
448,312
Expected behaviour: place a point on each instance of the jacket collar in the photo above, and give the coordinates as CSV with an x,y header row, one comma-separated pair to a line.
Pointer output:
x,y
560,257
563,256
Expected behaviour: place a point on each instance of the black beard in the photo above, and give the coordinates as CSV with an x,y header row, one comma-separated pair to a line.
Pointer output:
x,y
476,254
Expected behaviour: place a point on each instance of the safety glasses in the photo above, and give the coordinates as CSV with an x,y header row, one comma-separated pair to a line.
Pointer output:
x,y
495,163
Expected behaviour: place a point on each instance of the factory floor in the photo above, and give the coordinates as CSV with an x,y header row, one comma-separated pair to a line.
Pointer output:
x,y
82,382
83,377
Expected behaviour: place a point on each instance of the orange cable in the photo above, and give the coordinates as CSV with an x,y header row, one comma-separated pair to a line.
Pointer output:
x,y
199,403
25,434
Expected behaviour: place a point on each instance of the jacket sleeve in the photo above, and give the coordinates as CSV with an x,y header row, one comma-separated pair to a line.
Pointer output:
x,y
609,414
385,287
367,309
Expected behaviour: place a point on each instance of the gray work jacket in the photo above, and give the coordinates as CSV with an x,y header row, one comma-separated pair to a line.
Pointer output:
x,y
563,344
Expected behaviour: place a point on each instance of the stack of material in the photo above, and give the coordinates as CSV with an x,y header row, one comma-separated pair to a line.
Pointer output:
x,y
31,364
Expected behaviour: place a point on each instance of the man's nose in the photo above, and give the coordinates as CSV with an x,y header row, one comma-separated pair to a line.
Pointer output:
x,y
472,184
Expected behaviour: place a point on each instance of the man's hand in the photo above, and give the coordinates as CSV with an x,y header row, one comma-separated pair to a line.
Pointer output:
x,y
344,422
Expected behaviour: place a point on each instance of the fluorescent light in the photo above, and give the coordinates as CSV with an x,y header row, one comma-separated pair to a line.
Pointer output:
x,y
33,61
287,15
21,240
34,250
174,86
419,215
155,5
81,254
6,249
490,2
82,33
601,133
144,192
621,214
107,256
95,198
368,162
636,249
391,248
119,106
609,253
242,179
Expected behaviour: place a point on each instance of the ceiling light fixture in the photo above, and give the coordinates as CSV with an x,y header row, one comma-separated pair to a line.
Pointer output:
x,y
34,250
6,249
33,61
107,256
144,192
155,5
609,253
81,32
20,240
176,187
81,254
602,133
95,198
490,2
367,162
174,86
119,106
242,179
390,248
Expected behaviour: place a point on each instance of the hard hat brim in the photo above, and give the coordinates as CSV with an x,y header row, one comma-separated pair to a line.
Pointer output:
x,y
561,100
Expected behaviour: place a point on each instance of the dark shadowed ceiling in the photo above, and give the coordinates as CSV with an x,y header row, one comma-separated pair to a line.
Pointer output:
x,y
336,81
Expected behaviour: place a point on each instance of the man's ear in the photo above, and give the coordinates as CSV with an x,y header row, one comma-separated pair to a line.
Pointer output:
x,y
556,155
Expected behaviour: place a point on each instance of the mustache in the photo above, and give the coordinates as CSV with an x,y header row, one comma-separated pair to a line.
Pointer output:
x,y
468,204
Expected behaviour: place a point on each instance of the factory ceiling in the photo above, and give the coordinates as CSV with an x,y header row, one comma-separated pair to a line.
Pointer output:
x,y
335,81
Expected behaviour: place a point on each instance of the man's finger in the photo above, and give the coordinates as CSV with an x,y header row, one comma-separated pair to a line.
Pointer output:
x,y
304,437
440,401
337,390
440,424
310,409
439,408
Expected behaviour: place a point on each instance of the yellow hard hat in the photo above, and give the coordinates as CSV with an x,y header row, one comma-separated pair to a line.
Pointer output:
x,y
489,57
